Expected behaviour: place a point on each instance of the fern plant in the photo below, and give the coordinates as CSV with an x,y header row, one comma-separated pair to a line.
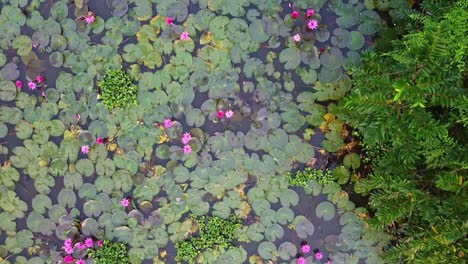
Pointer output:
x,y
409,101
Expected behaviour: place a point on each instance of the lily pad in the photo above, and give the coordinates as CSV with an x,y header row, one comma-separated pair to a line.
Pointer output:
x,y
304,228
7,91
287,250
325,210
290,56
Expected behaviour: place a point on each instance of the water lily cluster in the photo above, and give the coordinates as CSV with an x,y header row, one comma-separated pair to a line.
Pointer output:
x,y
85,148
306,249
69,248
184,35
33,84
310,19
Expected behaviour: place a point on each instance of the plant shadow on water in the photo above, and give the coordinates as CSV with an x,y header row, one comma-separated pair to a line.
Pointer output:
x,y
269,101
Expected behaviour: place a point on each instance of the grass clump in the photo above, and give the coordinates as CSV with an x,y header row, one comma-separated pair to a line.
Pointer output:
x,y
213,233
302,177
109,253
117,89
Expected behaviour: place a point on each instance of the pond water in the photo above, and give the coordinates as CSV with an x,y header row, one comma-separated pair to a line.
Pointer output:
x,y
240,56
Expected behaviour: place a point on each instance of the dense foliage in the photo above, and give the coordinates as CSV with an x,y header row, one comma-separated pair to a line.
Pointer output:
x,y
213,233
117,89
110,253
301,178
410,103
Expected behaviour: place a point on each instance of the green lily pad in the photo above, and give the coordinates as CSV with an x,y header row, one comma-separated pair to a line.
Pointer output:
x,y
352,161
89,227
267,250
287,250
67,198
22,44
356,40
304,228
325,210
7,91
92,208
290,56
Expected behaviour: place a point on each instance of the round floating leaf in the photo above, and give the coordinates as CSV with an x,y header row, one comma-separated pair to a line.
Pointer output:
x,y
290,56
370,22
341,174
304,228
267,250
274,232
89,227
66,198
118,7
85,167
56,59
284,215
7,91
325,210
289,198
195,117
87,190
40,203
341,38
257,31
322,34
22,44
287,250
92,208
333,59
356,40
352,161
86,138
179,11
35,222
10,72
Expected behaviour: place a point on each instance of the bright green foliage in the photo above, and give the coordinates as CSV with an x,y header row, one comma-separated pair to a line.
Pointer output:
x,y
302,177
109,253
410,104
117,89
213,233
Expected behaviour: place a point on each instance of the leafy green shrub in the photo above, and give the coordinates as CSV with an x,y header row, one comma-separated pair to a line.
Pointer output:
x,y
109,253
214,233
117,89
302,177
409,102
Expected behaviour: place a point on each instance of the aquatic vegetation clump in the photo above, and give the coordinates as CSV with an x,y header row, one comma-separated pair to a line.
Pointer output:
x,y
117,89
214,233
109,253
302,177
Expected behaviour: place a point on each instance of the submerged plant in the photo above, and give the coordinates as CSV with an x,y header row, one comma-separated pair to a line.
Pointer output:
x,y
117,89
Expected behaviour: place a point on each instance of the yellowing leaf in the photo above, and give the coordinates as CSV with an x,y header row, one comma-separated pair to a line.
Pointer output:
x,y
163,138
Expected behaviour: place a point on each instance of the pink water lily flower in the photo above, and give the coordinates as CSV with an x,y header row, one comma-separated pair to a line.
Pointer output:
x,y
19,84
312,24
184,35
220,114
186,138
99,140
68,249
80,245
329,261
39,79
295,14
81,261
170,21
32,85
297,38
229,114
68,259
100,243
67,242
89,19
305,248
125,202
301,260
89,243
318,255
167,123
85,149
310,12
187,149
